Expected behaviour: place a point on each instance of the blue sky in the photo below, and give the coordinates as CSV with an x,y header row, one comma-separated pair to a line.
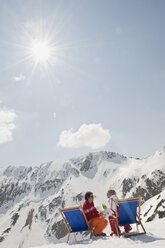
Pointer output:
x,y
97,83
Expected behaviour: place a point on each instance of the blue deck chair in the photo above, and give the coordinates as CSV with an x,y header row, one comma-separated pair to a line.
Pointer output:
x,y
128,212
75,220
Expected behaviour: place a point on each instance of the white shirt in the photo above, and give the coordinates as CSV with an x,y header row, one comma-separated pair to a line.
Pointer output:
x,y
112,205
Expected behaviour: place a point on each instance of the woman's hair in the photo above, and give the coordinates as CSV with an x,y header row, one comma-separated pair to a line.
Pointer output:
x,y
111,192
87,195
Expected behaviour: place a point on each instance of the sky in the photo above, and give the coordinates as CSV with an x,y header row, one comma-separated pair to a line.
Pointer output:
x,y
81,76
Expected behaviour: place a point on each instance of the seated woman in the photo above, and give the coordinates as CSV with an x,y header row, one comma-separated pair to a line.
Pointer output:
x,y
112,197
96,220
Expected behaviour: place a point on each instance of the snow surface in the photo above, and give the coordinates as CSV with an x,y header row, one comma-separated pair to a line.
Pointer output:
x,y
155,237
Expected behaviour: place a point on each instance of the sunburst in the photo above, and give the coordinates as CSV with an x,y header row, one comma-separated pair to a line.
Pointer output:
x,y
40,48
40,51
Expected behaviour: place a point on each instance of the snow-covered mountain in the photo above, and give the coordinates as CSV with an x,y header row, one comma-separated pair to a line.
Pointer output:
x,y
30,197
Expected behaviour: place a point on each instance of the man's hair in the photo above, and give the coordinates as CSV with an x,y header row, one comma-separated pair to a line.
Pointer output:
x,y
87,195
111,192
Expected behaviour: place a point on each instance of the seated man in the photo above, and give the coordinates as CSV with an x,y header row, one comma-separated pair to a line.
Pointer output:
x,y
96,220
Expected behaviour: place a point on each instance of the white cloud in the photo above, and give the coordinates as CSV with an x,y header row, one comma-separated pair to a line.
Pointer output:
x,y
19,78
7,126
54,115
91,135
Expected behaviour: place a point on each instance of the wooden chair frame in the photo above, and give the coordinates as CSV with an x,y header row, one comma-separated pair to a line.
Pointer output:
x,y
138,216
68,226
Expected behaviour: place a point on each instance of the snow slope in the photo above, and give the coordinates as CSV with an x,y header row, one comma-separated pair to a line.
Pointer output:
x,y
30,197
155,237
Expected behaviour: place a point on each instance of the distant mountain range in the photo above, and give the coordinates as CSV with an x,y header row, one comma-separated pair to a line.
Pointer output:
x,y
30,197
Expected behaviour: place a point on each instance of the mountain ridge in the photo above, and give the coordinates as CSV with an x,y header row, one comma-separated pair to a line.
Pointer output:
x,y
30,196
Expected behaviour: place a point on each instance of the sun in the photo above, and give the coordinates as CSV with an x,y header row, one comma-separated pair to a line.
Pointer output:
x,y
40,51
41,48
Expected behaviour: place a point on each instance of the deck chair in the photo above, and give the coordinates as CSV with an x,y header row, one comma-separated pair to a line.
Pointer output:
x,y
75,221
128,212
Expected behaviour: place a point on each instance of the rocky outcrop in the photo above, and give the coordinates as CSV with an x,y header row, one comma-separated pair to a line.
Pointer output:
x,y
154,208
29,219
144,186
58,229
